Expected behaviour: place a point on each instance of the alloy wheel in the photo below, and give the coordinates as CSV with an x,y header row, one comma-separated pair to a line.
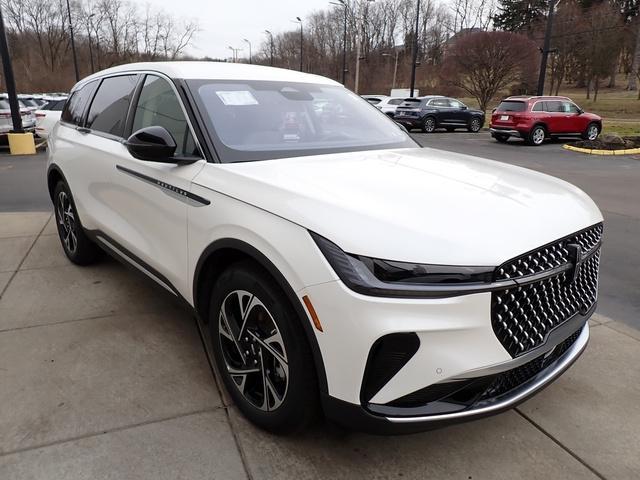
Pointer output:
x,y
592,133
475,125
67,222
538,136
429,125
253,350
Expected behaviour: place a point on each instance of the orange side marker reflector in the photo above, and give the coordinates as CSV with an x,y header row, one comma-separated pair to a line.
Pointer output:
x,y
312,312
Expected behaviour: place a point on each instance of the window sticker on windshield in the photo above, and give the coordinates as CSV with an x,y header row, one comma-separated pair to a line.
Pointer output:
x,y
237,97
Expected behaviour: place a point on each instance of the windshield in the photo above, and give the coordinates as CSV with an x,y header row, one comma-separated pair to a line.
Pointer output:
x,y
511,106
260,120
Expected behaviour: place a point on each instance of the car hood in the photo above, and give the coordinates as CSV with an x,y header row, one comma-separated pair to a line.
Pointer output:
x,y
416,205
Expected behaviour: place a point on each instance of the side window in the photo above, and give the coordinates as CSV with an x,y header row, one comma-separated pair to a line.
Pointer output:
x,y
75,105
554,107
570,107
538,107
455,103
158,105
395,101
108,110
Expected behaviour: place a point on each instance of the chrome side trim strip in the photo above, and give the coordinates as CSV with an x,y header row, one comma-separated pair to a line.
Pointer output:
x,y
171,190
572,354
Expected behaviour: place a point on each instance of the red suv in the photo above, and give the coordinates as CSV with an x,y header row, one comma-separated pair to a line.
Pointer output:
x,y
537,118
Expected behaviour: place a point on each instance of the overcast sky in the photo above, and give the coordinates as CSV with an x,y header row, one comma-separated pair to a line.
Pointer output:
x,y
227,22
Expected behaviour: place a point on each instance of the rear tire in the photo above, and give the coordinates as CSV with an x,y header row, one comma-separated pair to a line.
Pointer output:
x,y
75,243
536,136
261,350
429,125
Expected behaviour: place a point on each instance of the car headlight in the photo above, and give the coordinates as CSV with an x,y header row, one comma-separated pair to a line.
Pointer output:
x,y
387,278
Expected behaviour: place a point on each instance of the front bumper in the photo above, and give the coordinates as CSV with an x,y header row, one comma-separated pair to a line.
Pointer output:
x,y
357,417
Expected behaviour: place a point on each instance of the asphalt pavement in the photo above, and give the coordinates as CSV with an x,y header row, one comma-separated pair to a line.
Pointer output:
x,y
23,186
613,182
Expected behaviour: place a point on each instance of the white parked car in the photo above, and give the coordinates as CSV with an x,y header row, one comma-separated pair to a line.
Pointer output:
x,y
48,115
336,266
374,99
6,123
388,105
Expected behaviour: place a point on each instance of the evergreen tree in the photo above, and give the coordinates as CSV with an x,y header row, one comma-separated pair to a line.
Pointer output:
x,y
520,15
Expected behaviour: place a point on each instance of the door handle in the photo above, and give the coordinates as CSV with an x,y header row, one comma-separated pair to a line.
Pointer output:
x,y
83,130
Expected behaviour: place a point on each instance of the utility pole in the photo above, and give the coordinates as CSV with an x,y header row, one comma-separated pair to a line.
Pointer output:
x,y
545,49
416,44
73,44
9,80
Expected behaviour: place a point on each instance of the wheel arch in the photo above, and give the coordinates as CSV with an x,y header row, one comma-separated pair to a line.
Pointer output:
x,y
226,251
54,175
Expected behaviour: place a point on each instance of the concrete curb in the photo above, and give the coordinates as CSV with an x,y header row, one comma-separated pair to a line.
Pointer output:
x,y
593,151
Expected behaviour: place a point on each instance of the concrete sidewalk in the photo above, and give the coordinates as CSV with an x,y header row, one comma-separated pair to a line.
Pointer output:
x,y
102,375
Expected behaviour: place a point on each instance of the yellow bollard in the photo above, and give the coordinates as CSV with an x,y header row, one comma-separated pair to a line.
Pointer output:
x,y
21,143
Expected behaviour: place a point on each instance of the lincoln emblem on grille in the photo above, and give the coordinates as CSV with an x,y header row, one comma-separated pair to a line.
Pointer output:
x,y
575,255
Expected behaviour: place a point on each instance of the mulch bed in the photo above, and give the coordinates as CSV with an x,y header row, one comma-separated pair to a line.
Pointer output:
x,y
607,142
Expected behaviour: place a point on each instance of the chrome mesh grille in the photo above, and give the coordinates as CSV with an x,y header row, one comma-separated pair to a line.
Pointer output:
x,y
522,316
550,256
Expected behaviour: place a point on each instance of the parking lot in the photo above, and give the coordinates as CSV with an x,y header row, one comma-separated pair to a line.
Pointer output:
x,y
102,375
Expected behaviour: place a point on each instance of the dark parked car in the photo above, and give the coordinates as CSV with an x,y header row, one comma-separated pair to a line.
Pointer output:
x,y
431,112
537,118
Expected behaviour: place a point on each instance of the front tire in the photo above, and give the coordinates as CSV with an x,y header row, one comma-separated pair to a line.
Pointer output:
x,y
475,125
592,132
261,350
536,136
75,243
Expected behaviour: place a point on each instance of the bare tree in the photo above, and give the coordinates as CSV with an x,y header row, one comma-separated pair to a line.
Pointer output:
x,y
484,63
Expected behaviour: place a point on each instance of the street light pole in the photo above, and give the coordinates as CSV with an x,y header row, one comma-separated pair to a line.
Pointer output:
x,y
73,44
270,44
415,50
9,80
89,25
247,41
299,20
341,3
545,49
395,68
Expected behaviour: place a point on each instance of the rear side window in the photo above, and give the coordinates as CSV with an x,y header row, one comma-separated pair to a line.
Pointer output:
x,y
395,101
75,107
554,107
4,104
511,106
108,110
538,107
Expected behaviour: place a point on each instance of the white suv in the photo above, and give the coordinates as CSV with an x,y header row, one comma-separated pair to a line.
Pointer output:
x,y
337,266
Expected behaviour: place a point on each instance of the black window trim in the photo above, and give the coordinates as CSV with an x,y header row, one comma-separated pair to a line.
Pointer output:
x,y
99,133
128,126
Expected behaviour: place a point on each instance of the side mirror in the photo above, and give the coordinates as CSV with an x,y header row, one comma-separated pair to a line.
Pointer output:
x,y
153,144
